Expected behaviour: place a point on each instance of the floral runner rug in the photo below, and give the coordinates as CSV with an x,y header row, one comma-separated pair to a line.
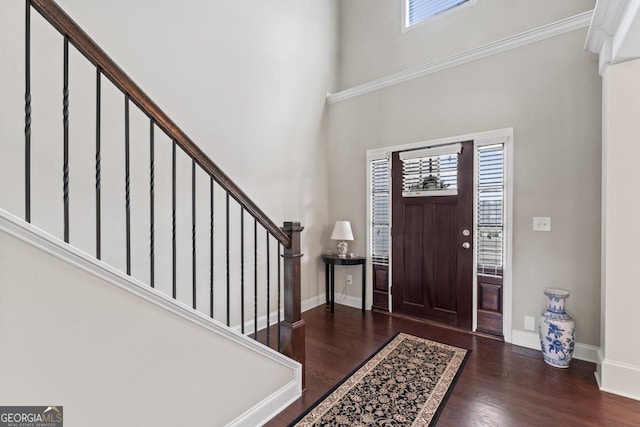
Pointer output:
x,y
405,383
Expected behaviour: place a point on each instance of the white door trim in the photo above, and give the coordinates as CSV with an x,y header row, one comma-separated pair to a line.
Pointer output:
x,y
479,138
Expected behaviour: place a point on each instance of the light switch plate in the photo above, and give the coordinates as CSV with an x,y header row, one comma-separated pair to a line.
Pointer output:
x,y
541,223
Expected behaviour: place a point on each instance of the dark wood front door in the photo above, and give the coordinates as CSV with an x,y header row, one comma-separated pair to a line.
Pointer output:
x,y
432,271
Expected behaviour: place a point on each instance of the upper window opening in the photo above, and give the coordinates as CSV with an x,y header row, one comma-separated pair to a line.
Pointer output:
x,y
418,11
430,171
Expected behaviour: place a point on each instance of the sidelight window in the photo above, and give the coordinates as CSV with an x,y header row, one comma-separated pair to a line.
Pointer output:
x,y
490,209
380,211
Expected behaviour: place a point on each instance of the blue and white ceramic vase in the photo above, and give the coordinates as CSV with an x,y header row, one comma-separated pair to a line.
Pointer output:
x,y
557,330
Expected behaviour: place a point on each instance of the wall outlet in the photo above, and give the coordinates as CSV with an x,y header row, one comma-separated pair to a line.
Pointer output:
x,y
529,323
349,279
541,223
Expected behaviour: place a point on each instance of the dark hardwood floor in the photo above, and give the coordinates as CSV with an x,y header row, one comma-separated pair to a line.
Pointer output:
x,y
501,384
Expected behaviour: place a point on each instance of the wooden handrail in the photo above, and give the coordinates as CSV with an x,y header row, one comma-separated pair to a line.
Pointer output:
x,y
50,11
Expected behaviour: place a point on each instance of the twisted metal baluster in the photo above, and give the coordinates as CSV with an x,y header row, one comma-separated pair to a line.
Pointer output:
x,y
255,278
152,146
27,114
242,269
211,230
228,268
173,216
268,289
65,123
193,231
98,165
279,285
127,183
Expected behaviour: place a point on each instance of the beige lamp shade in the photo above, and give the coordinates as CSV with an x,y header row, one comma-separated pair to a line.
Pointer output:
x,y
342,231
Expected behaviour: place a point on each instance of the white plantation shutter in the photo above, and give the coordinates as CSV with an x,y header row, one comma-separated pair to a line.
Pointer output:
x,y
421,10
490,209
380,211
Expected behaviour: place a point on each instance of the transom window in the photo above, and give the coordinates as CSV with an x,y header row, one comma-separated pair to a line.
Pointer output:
x,y
430,171
417,11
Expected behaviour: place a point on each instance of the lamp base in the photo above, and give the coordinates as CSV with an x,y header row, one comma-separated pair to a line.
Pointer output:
x,y
342,249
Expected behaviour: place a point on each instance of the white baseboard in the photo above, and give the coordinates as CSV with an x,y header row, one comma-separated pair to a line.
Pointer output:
x,y
262,322
350,301
312,302
598,372
620,378
531,340
318,300
306,305
269,407
525,339
586,352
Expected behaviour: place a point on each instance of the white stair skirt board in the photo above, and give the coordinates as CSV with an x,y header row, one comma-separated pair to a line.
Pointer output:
x,y
272,405
586,352
258,414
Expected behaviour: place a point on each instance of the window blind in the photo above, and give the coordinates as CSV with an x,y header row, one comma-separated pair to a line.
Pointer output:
x,y
423,174
380,211
490,213
421,10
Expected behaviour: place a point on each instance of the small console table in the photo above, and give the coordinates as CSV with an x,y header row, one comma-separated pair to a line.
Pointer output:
x,y
330,262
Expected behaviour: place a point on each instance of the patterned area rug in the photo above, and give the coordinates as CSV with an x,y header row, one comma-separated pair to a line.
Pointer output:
x,y
405,383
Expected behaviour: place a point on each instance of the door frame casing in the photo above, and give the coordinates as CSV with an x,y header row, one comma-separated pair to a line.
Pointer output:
x,y
504,136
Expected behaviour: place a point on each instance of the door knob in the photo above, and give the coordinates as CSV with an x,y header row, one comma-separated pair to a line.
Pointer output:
x,y
466,233
466,245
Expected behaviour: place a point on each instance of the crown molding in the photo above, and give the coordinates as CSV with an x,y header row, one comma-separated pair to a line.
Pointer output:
x,y
554,29
606,19
613,31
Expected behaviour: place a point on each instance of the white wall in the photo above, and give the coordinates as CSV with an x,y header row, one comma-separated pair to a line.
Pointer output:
x,y
246,81
549,92
112,358
373,45
620,370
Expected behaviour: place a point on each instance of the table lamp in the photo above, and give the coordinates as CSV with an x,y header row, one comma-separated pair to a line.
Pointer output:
x,y
342,233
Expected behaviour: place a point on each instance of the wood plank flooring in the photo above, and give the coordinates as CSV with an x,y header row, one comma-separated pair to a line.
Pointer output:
x,y
501,384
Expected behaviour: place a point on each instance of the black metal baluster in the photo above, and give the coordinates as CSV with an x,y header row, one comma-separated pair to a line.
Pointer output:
x,y
193,230
98,164
279,285
211,228
173,215
268,290
255,278
27,113
242,269
127,189
65,122
152,155
228,269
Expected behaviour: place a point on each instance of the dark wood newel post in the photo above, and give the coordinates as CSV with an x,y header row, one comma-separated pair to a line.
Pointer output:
x,y
292,327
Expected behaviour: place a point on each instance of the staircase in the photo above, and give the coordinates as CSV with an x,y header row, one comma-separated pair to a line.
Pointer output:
x,y
137,200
